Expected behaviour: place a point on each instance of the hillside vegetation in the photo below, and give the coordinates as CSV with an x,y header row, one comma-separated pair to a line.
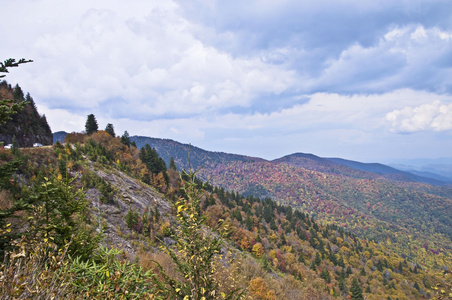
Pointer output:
x,y
27,126
85,203
410,217
98,218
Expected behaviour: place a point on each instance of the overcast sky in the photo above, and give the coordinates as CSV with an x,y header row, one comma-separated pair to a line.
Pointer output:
x,y
363,80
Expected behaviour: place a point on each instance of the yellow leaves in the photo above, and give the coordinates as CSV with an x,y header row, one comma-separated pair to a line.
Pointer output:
x,y
60,177
258,250
287,248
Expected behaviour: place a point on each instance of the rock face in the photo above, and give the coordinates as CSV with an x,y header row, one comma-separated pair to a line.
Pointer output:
x,y
129,193
27,126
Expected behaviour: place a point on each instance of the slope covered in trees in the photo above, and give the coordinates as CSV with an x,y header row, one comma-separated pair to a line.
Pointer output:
x,y
410,217
27,126
268,250
413,223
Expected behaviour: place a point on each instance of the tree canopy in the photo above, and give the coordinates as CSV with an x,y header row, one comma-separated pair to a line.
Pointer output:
x,y
110,130
91,124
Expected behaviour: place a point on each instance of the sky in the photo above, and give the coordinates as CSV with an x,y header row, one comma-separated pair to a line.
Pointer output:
x,y
363,80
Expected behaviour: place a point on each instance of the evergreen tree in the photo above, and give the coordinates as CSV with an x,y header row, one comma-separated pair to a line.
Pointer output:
x,y
342,285
7,109
152,160
172,164
110,130
318,258
125,138
91,125
10,63
15,147
18,94
60,207
45,124
30,101
325,275
357,292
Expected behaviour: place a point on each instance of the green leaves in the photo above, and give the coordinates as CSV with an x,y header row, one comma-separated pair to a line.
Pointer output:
x,y
10,63
110,278
195,249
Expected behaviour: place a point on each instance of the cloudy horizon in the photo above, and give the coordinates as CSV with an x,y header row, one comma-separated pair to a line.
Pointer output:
x,y
351,79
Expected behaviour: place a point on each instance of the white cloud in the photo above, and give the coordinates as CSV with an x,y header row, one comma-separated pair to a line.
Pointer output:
x,y
151,60
435,116
208,71
405,57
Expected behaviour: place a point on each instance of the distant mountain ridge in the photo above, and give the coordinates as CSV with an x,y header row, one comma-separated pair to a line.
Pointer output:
x,y
168,148
59,136
392,173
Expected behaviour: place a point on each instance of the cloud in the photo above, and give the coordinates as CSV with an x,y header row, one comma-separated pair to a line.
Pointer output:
x,y
152,61
436,116
340,46
405,57
290,74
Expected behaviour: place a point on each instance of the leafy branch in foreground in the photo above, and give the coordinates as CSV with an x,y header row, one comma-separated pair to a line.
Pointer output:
x,y
195,251
10,63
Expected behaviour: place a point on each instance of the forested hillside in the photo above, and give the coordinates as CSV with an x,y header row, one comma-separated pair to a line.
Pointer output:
x,y
411,217
27,126
97,218
266,250
411,222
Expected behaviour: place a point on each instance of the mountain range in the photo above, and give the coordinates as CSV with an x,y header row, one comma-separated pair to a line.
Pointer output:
x,y
408,212
168,148
353,233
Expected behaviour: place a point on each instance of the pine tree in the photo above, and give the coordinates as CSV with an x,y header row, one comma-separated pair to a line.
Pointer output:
x,y
172,164
318,259
357,292
110,130
91,125
325,275
7,109
18,94
125,138
10,63
30,101
152,160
